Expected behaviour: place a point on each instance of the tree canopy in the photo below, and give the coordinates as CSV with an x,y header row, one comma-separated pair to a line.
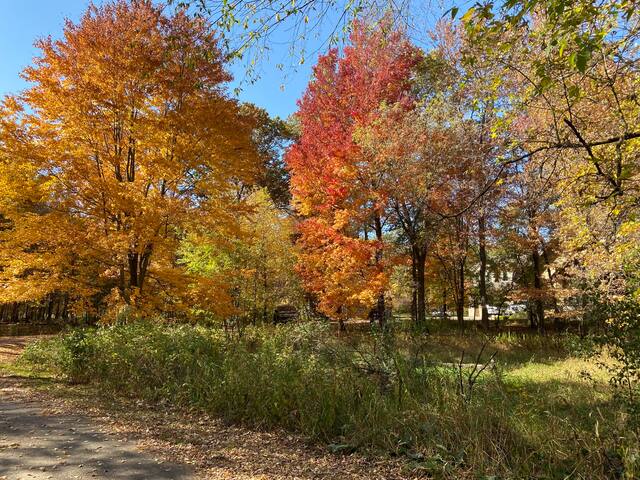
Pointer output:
x,y
110,156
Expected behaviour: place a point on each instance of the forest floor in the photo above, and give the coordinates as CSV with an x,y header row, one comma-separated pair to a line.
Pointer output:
x,y
11,347
52,430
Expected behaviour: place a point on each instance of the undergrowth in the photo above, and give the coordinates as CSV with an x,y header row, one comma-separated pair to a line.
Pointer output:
x,y
387,394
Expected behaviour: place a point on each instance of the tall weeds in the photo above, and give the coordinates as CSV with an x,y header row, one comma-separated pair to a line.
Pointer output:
x,y
380,395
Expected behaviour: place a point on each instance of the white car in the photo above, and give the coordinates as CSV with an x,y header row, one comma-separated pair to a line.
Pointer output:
x,y
518,307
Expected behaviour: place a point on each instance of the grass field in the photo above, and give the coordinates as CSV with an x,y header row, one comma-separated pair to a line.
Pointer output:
x,y
542,409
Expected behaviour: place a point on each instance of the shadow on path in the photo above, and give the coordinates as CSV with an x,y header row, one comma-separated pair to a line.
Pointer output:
x,y
34,445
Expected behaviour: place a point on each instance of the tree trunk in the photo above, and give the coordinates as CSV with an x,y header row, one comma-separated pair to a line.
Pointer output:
x,y
265,285
254,303
421,304
482,287
49,308
444,302
65,308
138,266
133,269
380,307
145,259
460,295
414,287
530,314
554,299
538,310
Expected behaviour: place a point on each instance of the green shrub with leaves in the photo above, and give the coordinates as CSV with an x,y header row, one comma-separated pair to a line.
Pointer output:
x,y
621,337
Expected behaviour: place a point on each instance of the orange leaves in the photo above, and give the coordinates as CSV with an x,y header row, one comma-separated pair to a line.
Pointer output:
x,y
341,270
124,140
334,181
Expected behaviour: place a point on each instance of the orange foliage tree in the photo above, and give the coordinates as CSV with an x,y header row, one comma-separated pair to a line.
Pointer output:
x,y
124,141
335,184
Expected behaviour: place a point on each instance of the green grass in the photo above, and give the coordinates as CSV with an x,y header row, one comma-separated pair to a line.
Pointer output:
x,y
18,369
542,412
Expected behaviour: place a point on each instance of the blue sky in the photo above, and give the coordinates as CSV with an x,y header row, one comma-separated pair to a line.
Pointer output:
x,y
23,21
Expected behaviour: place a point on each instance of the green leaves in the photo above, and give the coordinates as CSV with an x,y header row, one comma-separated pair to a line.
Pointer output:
x,y
573,91
580,28
579,60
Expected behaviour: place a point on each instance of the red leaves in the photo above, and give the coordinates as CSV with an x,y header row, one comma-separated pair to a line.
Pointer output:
x,y
346,93
333,180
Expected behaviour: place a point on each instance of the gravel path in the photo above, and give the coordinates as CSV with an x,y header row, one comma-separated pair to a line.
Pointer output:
x,y
36,445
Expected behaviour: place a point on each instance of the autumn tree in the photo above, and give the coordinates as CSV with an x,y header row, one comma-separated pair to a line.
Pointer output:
x,y
432,160
259,263
528,223
452,249
574,32
574,115
578,62
431,168
409,156
335,184
124,140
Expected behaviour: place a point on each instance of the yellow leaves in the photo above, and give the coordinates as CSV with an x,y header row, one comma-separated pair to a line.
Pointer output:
x,y
341,219
252,271
124,141
631,227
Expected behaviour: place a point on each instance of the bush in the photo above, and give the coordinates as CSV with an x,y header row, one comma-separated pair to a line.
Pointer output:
x,y
49,355
378,394
621,337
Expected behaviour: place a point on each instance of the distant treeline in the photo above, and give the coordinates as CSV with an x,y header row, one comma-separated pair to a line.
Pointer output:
x,y
53,309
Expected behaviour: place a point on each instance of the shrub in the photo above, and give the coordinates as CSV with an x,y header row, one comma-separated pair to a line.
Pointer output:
x,y
621,336
48,355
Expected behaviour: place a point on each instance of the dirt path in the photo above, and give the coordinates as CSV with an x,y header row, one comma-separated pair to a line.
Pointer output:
x,y
11,347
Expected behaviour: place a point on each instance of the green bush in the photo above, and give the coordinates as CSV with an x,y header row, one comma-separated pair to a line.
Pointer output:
x,y
49,355
621,337
379,394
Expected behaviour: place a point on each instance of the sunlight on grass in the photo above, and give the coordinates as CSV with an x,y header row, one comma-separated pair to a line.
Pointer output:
x,y
575,370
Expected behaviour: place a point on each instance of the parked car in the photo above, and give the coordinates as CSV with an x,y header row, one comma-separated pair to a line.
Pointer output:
x,y
518,307
285,314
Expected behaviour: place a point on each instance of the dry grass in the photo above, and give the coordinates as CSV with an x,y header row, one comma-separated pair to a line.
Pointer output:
x,y
544,412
